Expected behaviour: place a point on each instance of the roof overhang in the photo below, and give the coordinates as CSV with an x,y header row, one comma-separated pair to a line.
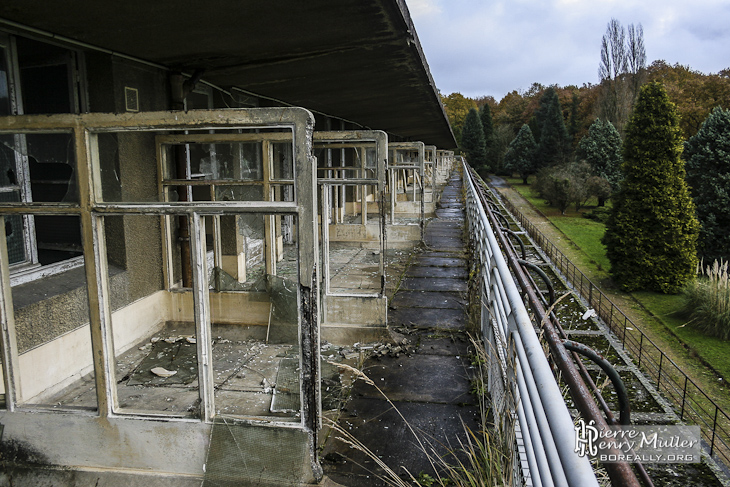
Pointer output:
x,y
359,60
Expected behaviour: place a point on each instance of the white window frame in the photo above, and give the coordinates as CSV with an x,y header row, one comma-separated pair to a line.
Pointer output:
x,y
30,269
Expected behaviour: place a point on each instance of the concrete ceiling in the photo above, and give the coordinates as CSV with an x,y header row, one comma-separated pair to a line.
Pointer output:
x,y
355,59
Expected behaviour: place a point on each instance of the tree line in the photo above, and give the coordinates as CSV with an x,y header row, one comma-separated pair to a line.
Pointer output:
x,y
654,140
695,94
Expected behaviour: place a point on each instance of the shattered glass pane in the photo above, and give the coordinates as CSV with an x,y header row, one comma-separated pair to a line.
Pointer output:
x,y
255,317
52,162
14,230
255,357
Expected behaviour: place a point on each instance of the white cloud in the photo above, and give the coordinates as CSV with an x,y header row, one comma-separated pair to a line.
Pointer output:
x,y
423,8
482,47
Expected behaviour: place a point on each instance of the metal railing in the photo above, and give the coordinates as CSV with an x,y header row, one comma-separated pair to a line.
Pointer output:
x,y
692,404
520,378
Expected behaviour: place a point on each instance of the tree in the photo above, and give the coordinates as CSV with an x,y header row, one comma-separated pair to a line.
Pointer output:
x,y
520,156
554,146
601,148
574,123
707,157
457,106
569,184
503,136
635,60
621,71
485,116
651,231
512,111
696,94
472,141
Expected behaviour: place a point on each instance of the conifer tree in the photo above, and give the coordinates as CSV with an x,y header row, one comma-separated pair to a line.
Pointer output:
x,y
708,175
601,148
574,123
485,116
472,141
651,232
520,156
554,146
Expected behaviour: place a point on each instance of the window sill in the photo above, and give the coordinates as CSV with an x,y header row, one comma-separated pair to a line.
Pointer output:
x,y
28,274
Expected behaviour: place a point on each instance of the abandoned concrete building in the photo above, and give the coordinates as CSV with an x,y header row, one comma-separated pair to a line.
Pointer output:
x,y
191,185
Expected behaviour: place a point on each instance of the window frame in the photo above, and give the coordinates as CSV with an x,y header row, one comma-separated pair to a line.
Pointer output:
x,y
30,269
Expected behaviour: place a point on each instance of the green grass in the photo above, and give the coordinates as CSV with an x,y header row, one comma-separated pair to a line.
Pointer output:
x,y
586,235
666,307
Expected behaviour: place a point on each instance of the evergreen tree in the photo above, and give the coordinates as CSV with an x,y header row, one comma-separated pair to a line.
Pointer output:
x,y
574,124
485,116
554,147
541,113
601,148
708,174
520,156
472,141
651,232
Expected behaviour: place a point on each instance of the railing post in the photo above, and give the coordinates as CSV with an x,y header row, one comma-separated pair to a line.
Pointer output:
x,y
610,317
714,427
684,397
659,378
641,345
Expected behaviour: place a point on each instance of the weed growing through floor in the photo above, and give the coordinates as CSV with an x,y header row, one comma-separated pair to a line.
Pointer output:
x,y
483,457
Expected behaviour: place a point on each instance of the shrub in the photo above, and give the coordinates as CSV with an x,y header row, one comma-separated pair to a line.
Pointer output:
x,y
708,300
599,214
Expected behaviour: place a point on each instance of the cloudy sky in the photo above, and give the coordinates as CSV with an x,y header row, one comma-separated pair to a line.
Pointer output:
x,y
491,47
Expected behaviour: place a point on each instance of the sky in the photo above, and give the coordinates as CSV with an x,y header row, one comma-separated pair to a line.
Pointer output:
x,y
492,47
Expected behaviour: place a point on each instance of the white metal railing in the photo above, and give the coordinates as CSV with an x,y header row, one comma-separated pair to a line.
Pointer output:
x,y
520,378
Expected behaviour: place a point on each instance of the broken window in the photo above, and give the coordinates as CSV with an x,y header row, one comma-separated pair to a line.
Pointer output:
x,y
203,277
39,78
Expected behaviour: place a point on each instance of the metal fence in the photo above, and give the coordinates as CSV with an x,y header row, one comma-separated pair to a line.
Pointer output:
x,y
520,379
692,404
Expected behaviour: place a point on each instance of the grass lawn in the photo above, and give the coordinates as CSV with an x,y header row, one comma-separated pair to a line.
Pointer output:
x,y
586,235
666,308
